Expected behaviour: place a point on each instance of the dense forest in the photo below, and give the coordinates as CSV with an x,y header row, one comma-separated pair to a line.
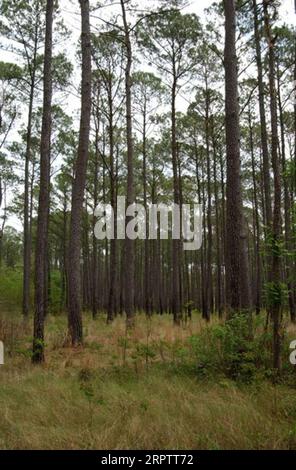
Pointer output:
x,y
151,104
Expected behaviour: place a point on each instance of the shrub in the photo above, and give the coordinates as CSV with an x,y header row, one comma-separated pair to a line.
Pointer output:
x,y
230,350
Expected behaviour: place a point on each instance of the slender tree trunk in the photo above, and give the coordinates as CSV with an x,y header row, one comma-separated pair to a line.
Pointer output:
x,y
264,140
237,270
129,244
257,222
113,243
276,229
43,207
27,237
293,182
287,209
86,278
181,256
147,293
74,313
202,303
204,248
94,238
153,264
223,228
176,246
294,76
218,237
63,300
209,276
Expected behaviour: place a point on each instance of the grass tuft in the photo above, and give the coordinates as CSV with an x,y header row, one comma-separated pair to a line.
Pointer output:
x,y
134,390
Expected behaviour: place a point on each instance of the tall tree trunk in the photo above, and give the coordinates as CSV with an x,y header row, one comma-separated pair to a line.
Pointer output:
x,y
86,278
74,313
43,207
218,237
147,293
64,270
176,245
288,209
293,182
27,235
237,269
223,227
264,140
257,222
181,252
94,238
200,201
209,276
275,283
113,243
129,244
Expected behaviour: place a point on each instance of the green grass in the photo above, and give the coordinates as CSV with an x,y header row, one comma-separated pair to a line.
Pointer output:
x,y
155,411
139,391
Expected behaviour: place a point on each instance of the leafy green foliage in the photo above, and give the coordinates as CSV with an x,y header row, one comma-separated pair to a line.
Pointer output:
x,y
276,293
229,349
9,71
10,288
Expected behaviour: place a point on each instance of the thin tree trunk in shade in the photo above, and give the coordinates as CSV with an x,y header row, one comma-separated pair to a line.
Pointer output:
x,y
94,238
27,235
258,283
129,244
209,276
147,293
181,259
63,298
176,246
287,210
43,207
263,128
293,182
111,310
218,239
275,275
204,250
74,284
200,201
237,269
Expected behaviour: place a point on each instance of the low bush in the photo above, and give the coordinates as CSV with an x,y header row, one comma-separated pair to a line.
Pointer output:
x,y
231,350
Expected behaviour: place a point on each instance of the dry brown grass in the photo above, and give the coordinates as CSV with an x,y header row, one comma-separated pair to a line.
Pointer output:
x,y
111,395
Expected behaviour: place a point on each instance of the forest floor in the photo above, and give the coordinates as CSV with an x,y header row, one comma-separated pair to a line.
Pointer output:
x,y
133,391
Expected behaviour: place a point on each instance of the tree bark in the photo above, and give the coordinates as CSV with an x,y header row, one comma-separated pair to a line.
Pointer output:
x,y
287,209
27,234
74,313
147,289
43,206
176,246
209,276
264,140
258,284
94,238
129,244
113,243
218,237
276,229
237,270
